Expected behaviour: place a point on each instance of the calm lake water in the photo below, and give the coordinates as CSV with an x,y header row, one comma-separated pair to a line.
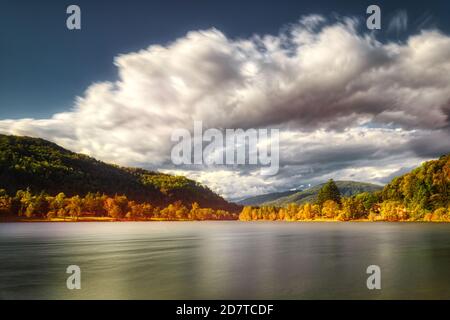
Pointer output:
x,y
224,260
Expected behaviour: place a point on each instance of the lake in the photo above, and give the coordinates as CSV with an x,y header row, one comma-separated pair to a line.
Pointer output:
x,y
224,260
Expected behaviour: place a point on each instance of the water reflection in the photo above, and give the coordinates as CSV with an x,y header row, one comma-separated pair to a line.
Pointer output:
x,y
224,260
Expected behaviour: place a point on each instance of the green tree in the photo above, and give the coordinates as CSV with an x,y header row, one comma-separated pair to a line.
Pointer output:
x,y
329,192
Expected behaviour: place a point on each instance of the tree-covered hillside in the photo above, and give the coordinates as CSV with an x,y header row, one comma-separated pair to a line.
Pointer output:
x,y
264,198
346,188
42,166
425,188
421,195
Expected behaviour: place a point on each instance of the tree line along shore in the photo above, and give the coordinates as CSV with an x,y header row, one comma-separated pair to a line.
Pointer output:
x,y
361,207
26,206
330,206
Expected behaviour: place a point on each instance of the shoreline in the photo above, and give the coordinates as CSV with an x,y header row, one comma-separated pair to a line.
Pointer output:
x,y
108,219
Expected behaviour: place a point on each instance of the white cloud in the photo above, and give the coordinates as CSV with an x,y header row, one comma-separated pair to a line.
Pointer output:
x,y
340,98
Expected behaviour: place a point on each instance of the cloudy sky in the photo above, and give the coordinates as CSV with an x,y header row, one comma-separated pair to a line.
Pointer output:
x,y
350,103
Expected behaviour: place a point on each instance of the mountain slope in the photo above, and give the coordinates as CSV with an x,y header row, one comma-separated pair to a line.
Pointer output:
x,y
347,188
41,165
258,200
425,188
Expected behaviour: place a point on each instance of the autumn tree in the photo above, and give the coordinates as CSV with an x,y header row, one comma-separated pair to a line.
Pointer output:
x,y
5,204
116,207
246,214
330,209
39,206
195,209
307,211
74,206
58,206
93,204
24,199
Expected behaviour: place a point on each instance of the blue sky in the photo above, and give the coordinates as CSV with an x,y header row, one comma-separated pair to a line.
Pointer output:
x,y
43,66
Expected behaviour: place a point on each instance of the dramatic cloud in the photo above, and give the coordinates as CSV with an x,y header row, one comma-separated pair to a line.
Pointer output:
x,y
347,105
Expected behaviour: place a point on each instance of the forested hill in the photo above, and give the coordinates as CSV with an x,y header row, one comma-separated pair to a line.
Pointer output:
x,y
421,195
346,188
43,166
264,198
425,188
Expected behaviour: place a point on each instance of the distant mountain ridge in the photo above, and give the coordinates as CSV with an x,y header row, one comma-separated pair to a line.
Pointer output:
x,y
347,188
41,165
257,200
